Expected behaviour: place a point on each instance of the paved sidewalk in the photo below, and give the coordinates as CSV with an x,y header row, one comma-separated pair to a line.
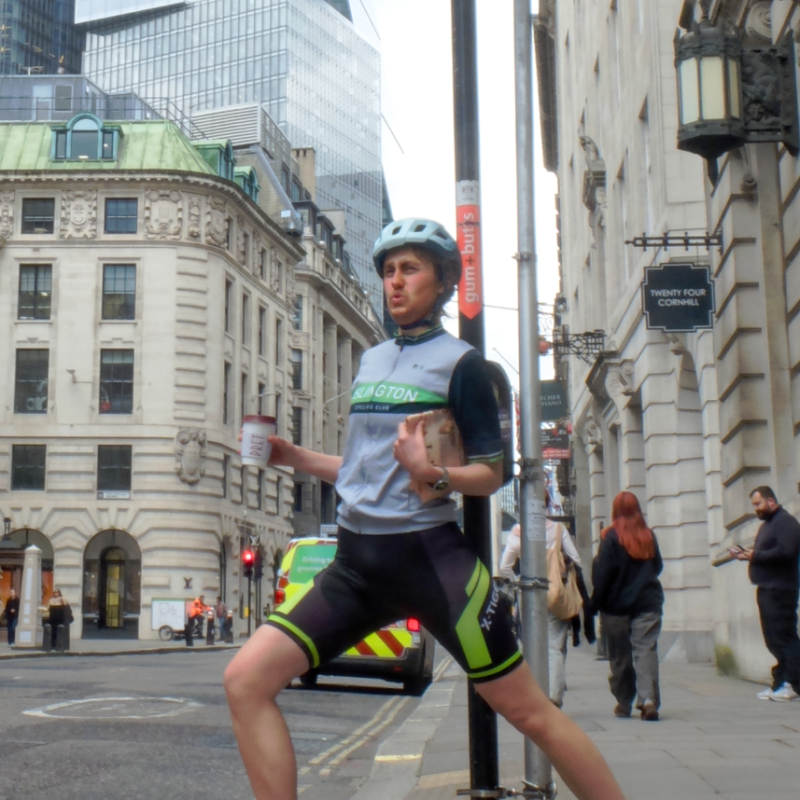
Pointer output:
x,y
107,647
715,739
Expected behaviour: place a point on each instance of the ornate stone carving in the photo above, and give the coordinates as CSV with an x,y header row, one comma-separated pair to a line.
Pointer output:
x,y
163,215
619,382
594,178
594,433
275,271
216,222
194,217
241,249
191,446
79,215
6,214
759,21
677,342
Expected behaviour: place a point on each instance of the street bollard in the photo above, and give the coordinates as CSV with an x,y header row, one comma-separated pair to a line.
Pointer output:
x,y
47,638
210,628
229,628
188,633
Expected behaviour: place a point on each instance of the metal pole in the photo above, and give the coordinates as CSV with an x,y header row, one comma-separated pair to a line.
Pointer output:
x,y
483,758
533,555
249,603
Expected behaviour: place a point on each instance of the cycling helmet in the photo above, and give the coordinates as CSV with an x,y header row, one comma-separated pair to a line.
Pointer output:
x,y
423,233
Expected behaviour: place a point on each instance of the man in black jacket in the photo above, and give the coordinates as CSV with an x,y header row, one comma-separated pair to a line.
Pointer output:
x,y
774,570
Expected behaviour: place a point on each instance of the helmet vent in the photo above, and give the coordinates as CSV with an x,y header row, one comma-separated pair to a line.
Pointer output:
x,y
419,228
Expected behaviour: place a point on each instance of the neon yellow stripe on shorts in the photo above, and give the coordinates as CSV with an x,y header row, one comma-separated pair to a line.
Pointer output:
x,y
494,670
299,634
468,627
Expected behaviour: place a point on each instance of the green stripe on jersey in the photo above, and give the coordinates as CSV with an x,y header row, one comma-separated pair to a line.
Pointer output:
x,y
394,393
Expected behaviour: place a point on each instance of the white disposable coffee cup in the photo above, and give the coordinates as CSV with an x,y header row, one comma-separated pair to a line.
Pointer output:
x,y
255,447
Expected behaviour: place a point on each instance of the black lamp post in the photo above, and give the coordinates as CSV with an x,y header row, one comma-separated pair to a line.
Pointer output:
x,y
708,61
6,542
730,94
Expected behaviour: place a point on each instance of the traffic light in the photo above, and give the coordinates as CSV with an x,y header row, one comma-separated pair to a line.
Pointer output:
x,y
258,566
248,557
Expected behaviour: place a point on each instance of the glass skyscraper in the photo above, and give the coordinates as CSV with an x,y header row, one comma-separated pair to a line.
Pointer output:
x,y
303,58
38,37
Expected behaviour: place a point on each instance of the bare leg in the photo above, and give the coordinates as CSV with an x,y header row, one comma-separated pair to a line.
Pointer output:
x,y
519,699
255,677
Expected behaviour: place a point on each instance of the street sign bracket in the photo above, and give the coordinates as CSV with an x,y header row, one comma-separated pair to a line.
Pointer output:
x,y
587,346
665,241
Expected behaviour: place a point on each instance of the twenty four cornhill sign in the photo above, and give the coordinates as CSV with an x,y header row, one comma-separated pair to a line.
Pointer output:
x,y
678,297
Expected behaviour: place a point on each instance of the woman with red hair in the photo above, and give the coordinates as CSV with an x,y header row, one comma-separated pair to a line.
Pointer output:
x,y
629,595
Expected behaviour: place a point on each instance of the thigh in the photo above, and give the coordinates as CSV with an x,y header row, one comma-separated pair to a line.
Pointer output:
x,y
330,614
618,635
451,591
645,630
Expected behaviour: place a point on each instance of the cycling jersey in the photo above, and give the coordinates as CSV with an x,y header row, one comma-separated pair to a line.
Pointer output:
x,y
398,378
431,575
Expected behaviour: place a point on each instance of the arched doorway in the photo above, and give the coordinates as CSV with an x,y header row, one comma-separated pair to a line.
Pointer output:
x,y
12,558
112,574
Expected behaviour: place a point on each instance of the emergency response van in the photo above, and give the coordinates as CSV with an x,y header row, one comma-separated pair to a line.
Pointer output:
x,y
402,651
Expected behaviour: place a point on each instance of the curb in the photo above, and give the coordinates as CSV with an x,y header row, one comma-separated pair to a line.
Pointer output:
x,y
101,653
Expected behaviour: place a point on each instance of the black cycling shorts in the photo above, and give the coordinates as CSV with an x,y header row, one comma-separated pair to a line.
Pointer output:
x,y
431,575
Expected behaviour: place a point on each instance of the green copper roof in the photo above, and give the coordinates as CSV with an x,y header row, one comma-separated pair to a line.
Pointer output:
x,y
151,145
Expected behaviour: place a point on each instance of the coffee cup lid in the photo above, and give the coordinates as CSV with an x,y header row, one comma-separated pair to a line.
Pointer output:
x,y
259,418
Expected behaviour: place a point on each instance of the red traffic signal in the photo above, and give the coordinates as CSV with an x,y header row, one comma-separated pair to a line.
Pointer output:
x,y
248,558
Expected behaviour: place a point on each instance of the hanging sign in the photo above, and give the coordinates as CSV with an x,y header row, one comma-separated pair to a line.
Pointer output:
x,y
555,444
678,297
468,220
554,400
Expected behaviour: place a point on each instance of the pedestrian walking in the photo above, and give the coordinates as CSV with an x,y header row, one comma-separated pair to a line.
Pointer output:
x,y
11,614
398,556
221,615
196,616
627,590
774,571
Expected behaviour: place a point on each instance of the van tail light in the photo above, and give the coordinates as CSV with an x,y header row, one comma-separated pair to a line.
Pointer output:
x,y
283,582
412,625
280,596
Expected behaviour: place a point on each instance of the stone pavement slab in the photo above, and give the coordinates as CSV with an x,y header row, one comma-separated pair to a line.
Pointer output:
x,y
715,739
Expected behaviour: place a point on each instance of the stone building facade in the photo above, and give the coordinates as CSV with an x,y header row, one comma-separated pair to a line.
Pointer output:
x,y
147,303
690,422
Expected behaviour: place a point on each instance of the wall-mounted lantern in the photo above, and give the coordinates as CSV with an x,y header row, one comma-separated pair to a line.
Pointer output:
x,y
730,94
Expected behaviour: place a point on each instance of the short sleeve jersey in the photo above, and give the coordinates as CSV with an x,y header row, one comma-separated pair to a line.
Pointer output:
x,y
411,375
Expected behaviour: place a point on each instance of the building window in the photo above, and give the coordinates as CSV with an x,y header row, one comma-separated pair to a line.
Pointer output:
x,y
279,412
262,264
278,341
246,248
297,425
84,139
228,232
245,319
226,392
119,291
244,396
298,498
38,215
121,215
114,468
297,319
228,309
297,369
226,459
285,179
35,290
28,466
30,389
262,390
116,381
260,490
297,191
262,331
278,493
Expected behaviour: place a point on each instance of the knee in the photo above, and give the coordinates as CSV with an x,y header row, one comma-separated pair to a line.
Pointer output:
x,y
535,722
245,685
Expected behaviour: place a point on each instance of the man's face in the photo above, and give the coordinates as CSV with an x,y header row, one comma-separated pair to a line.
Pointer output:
x,y
764,507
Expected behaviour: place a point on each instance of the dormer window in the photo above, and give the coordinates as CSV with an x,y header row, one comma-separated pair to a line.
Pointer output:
x,y
85,139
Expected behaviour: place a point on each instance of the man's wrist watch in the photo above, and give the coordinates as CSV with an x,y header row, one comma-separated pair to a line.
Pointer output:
x,y
443,483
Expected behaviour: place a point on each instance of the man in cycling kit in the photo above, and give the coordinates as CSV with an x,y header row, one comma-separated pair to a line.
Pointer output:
x,y
399,556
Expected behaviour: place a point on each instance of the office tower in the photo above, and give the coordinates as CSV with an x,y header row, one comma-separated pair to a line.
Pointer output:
x,y
304,59
39,38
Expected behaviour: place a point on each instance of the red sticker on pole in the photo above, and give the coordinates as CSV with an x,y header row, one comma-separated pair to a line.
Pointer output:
x,y
468,220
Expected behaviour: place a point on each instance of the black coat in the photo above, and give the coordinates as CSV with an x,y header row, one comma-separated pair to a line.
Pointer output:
x,y
625,586
12,609
774,563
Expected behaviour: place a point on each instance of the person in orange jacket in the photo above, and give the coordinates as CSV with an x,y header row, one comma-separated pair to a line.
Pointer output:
x,y
197,614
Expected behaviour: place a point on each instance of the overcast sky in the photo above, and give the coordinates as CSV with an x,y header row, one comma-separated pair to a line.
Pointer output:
x,y
417,96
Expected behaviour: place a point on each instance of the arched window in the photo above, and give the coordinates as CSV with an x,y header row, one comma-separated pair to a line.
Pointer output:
x,y
85,139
